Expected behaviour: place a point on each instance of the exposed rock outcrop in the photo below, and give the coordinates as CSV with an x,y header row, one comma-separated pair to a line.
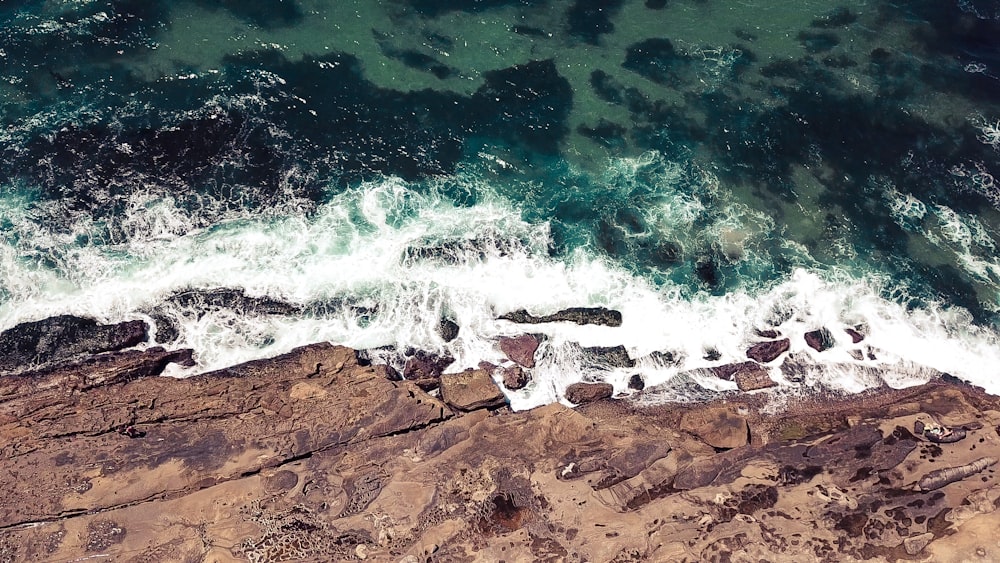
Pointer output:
x,y
581,393
314,456
578,315
34,345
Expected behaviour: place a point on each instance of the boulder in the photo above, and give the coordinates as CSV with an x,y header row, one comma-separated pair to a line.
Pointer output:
x,y
234,299
515,377
718,427
580,393
33,345
767,333
636,382
520,349
855,335
471,390
819,340
448,329
578,315
764,352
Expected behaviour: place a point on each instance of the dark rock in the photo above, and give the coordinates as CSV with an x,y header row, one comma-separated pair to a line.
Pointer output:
x,y
838,17
580,393
609,356
578,315
768,333
167,329
520,349
471,390
425,368
942,435
636,382
729,371
663,358
712,355
515,377
32,345
855,335
857,354
819,340
448,329
201,300
765,352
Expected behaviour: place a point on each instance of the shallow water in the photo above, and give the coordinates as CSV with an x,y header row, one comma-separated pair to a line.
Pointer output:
x,y
709,169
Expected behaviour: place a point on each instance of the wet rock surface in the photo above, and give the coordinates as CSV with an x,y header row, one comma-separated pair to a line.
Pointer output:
x,y
314,455
578,315
37,344
580,393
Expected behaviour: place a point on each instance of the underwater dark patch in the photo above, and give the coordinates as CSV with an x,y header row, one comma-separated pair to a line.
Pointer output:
x,y
655,59
589,19
266,14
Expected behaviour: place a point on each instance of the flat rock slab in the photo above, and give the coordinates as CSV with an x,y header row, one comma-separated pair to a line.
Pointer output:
x,y
470,390
719,427
580,393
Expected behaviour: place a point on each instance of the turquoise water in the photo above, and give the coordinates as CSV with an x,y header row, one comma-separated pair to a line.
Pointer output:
x,y
711,169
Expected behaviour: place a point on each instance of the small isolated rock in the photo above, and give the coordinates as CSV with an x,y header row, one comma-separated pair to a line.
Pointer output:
x,y
717,426
819,340
636,382
520,349
915,544
361,551
768,333
515,378
470,390
448,329
767,351
609,356
855,335
580,393
424,368
753,380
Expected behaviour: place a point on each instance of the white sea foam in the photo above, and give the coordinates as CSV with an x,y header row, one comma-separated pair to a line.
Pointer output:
x,y
415,257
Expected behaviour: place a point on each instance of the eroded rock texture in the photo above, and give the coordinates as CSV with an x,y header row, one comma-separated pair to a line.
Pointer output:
x,y
313,456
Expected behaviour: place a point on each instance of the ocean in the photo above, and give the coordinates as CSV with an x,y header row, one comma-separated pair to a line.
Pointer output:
x,y
253,176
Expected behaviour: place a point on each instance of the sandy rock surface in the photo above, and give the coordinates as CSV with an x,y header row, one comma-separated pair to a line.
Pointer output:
x,y
313,456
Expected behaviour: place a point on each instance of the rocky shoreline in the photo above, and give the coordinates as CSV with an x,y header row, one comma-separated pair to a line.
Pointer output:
x,y
319,454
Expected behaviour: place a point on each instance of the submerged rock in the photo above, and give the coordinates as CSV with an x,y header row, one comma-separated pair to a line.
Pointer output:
x,y
578,315
855,335
636,382
581,393
32,345
609,357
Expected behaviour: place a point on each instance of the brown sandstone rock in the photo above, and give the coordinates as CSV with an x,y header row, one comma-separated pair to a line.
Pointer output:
x,y
580,393
520,349
515,377
719,427
470,390
311,456
764,352
753,380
